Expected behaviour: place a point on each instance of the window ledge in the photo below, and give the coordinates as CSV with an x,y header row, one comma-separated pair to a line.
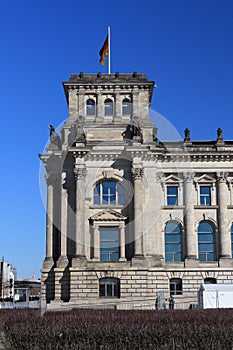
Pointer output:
x,y
230,207
173,207
104,206
205,206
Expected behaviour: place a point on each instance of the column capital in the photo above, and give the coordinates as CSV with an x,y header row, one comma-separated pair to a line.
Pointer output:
x,y
188,176
137,172
222,176
80,173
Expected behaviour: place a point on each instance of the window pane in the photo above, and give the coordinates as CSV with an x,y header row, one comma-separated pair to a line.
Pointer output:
x,y
172,238
109,287
108,107
205,227
126,107
172,242
172,190
205,195
97,194
90,107
206,247
109,244
172,227
172,195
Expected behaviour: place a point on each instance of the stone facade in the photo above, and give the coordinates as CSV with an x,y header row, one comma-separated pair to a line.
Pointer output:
x,y
129,216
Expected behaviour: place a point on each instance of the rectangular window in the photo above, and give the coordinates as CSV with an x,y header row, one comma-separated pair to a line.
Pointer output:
x,y
109,244
205,195
172,195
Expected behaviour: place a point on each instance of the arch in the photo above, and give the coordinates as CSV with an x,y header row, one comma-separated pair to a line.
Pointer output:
x,y
108,107
173,241
126,106
108,192
90,107
109,287
206,241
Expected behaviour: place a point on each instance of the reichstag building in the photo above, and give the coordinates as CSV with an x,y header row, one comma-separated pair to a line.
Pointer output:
x,y
130,216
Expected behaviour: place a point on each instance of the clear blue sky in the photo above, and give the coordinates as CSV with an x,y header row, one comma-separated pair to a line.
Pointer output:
x,y
185,46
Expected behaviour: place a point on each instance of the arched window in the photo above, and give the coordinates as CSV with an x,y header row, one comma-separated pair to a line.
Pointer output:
x,y
175,286
206,246
109,192
90,107
109,288
126,107
232,240
210,280
172,241
108,107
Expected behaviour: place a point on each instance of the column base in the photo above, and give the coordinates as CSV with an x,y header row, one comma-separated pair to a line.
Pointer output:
x,y
191,261
226,261
139,260
62,261
48,263
79,260
122,259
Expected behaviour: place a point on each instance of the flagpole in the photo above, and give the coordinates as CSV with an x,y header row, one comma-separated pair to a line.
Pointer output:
x,y
109,57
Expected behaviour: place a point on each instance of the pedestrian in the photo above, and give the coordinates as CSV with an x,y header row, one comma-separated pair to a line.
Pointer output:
x,y
171,302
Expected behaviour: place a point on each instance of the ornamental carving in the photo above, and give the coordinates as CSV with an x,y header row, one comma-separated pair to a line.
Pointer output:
x,y
222,176
80,173
137,173
189,176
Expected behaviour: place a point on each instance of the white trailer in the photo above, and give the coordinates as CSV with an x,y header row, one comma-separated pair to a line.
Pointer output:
x,y
212,296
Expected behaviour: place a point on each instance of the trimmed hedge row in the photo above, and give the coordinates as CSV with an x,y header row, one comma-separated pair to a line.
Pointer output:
x,y
115,329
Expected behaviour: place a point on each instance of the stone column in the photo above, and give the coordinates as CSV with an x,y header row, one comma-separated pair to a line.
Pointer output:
x,y
73,105
81,102
96,243
122,242
49,224
99,108
135,106
80,174
224,234
138,222
63,260
118,112
191,235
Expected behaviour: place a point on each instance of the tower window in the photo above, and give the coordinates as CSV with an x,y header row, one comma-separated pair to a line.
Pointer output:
x,y
206,246
90,107
108,107
109,288
109,192
172,242
126,107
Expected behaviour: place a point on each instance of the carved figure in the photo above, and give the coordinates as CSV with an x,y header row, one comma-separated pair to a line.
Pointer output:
x,y
187,135
54,137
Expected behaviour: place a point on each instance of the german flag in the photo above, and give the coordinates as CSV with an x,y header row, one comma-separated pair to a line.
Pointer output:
x,y
104,51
